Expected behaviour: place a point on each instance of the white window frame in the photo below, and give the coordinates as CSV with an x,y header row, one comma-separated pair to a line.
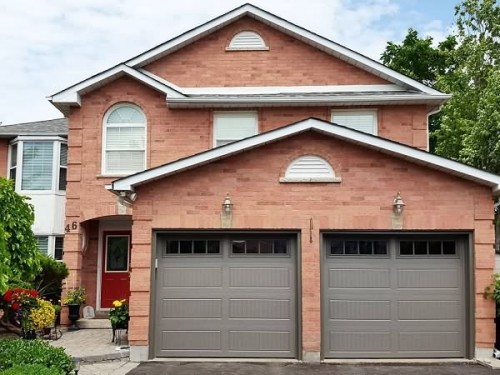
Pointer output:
x,y
235,115
51,244
56,151
358,112
105,172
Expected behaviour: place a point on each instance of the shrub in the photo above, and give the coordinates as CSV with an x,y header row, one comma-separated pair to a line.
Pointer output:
x,y
31,370
50,279
34,352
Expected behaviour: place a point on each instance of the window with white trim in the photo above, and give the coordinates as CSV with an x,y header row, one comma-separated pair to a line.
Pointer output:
x,y
233,126
309,168
124,150
38,163
51,245
247,41
363,121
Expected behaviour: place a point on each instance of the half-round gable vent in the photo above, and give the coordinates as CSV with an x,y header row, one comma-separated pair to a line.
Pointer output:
x,y
247,41
309,168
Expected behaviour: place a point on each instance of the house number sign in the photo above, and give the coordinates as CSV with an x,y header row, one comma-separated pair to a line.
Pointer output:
x,y
70,227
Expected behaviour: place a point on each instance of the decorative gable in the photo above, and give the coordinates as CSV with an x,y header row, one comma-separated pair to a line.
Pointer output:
x,y
247,41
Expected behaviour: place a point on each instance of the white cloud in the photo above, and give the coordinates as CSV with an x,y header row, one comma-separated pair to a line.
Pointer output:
x,y
47,46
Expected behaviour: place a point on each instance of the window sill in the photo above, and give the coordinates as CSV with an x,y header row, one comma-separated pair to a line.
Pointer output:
x,y
311,180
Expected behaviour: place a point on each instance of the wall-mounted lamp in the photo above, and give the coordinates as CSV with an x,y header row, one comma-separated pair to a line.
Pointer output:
x,y
227,206
398,204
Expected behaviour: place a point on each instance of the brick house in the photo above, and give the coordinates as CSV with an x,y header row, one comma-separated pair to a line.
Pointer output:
x,y
257,190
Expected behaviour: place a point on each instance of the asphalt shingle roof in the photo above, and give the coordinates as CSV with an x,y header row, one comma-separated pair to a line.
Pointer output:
x,y
49,127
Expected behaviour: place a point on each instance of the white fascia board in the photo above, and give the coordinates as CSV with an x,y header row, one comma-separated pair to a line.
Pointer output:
x,y
349,135
307,36
162,80
71,95
309,100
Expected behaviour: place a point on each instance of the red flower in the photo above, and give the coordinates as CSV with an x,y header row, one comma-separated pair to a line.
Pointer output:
x,y
8,296
15,306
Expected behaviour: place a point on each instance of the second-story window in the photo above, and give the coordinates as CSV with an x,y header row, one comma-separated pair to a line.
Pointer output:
x,y
233,126
124,150
361,120
38,164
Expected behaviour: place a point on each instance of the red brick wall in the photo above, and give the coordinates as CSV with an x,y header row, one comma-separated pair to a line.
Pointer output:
x,y
362,200
4,153
288,62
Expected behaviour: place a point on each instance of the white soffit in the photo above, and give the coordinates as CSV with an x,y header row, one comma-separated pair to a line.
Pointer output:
x,y
366,140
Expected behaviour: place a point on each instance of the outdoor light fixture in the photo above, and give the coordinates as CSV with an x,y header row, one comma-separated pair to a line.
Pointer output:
x,y
398,204
76,364
227,206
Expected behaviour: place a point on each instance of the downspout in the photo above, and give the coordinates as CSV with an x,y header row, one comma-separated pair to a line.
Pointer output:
x,y
429,114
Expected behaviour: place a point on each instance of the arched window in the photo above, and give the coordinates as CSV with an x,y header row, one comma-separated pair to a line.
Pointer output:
x,y
310,168
247,41
124,144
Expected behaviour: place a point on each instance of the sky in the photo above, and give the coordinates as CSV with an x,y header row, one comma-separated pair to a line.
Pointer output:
x,y
47,46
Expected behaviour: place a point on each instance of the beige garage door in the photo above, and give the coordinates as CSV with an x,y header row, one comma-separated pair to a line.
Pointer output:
x,y
226,296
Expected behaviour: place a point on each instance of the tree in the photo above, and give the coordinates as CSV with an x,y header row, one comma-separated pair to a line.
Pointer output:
x,y
19,254
470,130
419,59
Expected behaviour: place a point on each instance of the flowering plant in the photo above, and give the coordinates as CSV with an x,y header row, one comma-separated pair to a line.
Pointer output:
x,y
118,315
75,296
43,315
17,304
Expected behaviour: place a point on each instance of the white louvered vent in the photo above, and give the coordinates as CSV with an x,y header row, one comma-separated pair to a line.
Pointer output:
x,y
309,168
247,41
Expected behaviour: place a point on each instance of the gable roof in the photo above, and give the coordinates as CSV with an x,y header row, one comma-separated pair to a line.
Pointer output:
x,y
57,127
383,145
133,67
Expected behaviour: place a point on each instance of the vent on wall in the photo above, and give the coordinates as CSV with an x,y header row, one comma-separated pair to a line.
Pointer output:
x,y
310,168
247,41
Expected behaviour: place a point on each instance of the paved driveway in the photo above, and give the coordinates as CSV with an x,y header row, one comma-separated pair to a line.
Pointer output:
x,y
191,368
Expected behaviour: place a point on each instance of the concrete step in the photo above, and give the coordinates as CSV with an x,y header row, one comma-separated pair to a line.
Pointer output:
x,y
94,323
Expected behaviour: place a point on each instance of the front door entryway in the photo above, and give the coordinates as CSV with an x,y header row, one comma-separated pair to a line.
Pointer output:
x,y
116,267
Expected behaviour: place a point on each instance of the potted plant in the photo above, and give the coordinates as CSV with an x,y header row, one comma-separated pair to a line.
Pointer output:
x,y
492,291
118,315
74,299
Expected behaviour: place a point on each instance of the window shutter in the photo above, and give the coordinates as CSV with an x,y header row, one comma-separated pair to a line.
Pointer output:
x,y
361,121
37,165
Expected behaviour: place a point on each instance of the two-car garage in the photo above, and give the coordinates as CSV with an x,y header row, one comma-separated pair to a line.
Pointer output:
x,y
383,295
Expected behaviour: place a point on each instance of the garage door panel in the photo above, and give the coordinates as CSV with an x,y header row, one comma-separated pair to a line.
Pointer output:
x,y
360,310
392,306
191,340
246,277
185,277
191,308
429,310
259,341
259,308
437,278
352,278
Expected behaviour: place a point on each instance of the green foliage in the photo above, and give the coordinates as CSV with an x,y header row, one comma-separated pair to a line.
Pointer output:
x,y
33,352
50,279
118,315
470,127
75,296
4,262
31,370
492,291
17,217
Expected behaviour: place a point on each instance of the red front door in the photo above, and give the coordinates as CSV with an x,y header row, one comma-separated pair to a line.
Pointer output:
x,y
115,267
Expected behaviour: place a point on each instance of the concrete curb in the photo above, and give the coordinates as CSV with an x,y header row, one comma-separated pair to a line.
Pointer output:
x,y
120,354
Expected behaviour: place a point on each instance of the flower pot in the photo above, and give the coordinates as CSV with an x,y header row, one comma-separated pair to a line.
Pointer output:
x,y
74,315
28,334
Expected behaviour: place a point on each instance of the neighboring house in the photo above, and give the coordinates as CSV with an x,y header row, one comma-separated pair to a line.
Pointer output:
x,y
34,154
208,184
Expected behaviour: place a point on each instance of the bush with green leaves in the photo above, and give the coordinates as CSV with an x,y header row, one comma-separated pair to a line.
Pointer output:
x,y
31,370
18,352
50,279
